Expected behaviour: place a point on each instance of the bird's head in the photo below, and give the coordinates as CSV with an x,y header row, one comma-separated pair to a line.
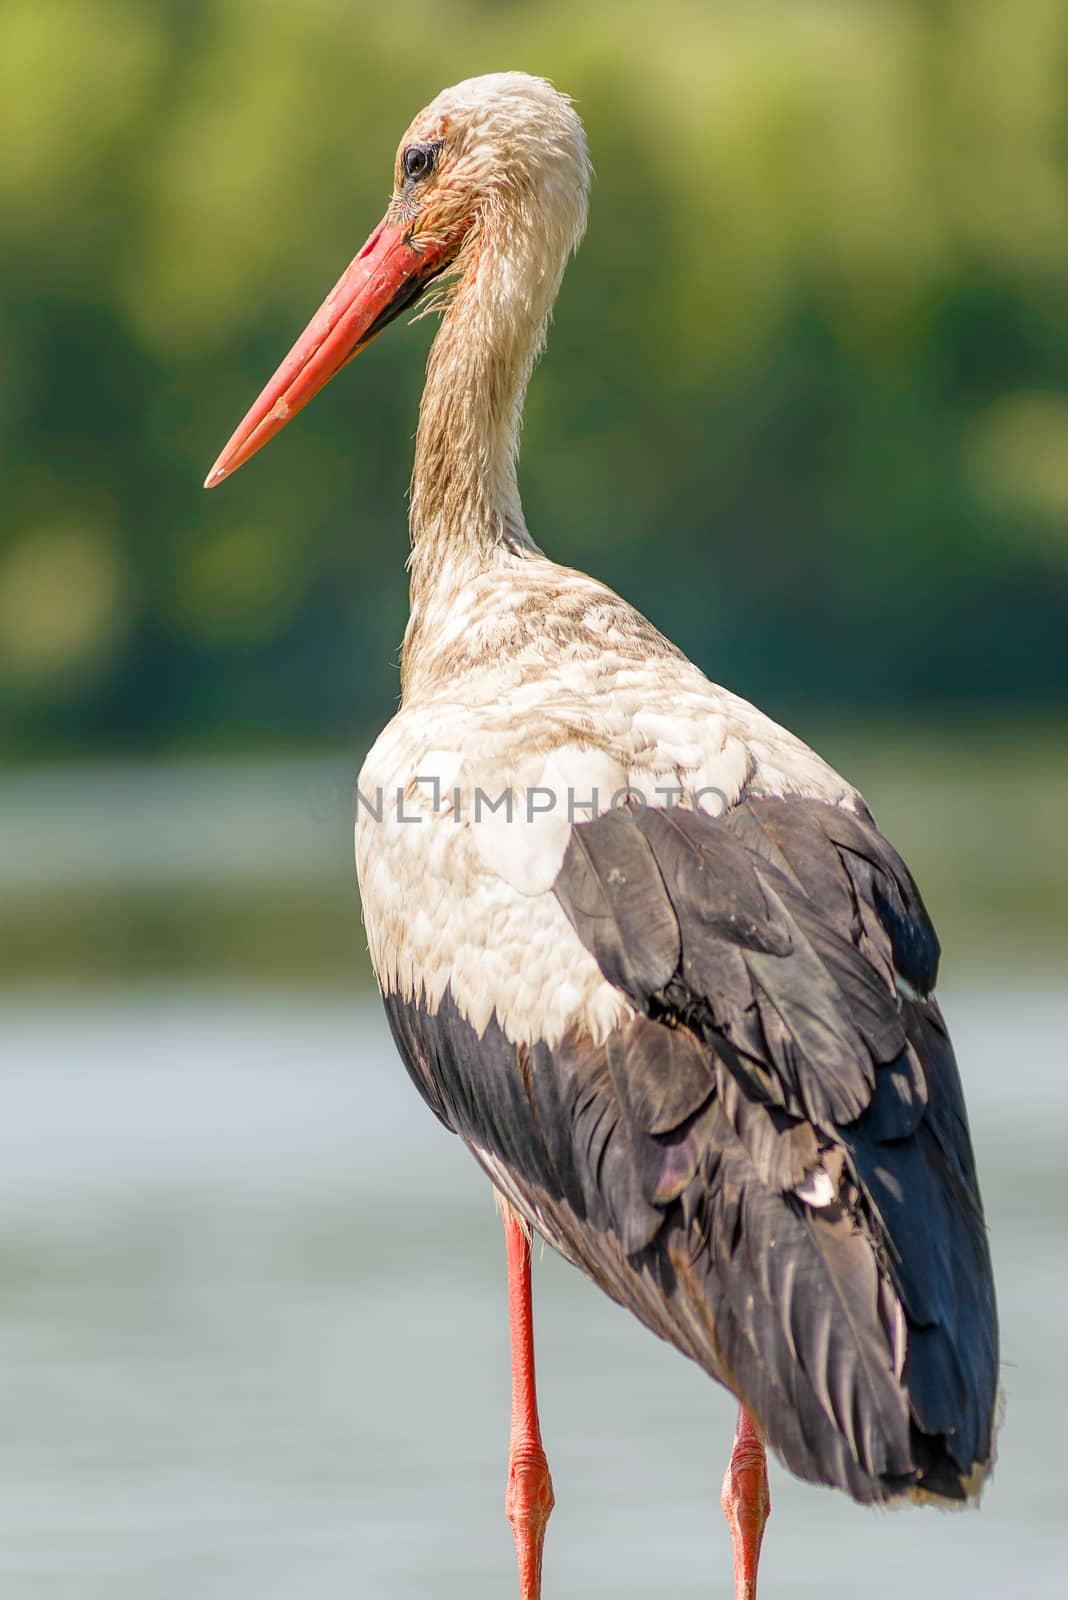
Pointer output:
x,y
495,162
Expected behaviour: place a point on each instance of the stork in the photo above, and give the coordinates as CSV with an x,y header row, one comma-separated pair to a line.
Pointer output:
x,y
640,948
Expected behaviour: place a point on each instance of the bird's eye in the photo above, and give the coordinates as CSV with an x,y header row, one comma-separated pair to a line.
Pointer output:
x,y
418,160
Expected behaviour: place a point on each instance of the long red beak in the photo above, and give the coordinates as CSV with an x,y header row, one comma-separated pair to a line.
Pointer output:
x,y
388,274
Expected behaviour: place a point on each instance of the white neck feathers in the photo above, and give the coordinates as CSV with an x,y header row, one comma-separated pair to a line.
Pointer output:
x,y
465,506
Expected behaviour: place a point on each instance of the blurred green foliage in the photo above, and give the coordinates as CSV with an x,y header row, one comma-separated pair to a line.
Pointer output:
x,y
806,401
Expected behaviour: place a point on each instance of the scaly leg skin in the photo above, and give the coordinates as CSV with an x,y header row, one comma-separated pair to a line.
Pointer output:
x,y
746,1502
529,1499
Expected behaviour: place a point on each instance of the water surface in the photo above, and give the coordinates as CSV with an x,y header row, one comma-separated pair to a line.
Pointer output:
x,y
253,1335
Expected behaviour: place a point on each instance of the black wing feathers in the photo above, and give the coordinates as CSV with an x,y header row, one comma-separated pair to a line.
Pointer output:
x,y
771,956
620,908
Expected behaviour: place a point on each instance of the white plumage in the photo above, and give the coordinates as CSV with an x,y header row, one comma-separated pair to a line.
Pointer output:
x,y
452,899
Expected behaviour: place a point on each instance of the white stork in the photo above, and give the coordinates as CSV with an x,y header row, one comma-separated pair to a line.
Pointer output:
x,y
645,952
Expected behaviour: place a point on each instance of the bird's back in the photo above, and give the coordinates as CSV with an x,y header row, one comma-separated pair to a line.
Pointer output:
x,y
686,1025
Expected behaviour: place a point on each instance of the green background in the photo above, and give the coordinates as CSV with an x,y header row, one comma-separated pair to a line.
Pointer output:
x,y
805,403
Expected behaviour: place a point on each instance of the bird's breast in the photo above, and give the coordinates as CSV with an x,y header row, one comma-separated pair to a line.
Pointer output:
x,y
466,804
456,859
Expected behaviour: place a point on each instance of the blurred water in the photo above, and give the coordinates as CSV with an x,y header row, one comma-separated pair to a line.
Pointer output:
x,y
172,821
253,1336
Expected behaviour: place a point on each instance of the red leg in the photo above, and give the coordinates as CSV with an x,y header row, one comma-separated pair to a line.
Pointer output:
x,y
746,1502
529,1499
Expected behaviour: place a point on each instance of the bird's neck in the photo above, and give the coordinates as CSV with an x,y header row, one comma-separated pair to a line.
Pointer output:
x,y
465,508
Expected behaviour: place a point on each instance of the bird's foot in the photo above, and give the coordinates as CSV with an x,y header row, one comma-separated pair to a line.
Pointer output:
x,y
746,1502
528,1502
